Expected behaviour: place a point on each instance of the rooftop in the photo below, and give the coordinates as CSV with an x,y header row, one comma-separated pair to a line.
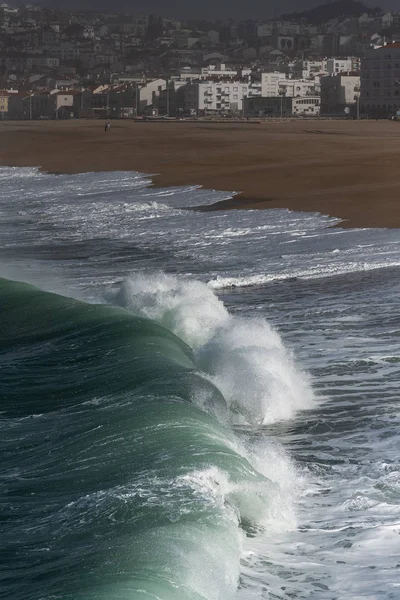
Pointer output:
x,y
390,46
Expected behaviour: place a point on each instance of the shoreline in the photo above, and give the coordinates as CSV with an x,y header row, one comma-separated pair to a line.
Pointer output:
x,y
344,169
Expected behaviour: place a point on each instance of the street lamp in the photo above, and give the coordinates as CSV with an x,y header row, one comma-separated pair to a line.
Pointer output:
x,y
357,99
282,94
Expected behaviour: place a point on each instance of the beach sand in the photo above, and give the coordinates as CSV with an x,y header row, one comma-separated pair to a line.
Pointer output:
x,y
347,169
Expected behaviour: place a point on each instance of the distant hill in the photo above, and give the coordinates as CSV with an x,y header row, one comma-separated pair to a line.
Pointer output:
x,y
333,10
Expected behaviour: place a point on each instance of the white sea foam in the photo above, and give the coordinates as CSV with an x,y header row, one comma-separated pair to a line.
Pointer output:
x,y
245,358
186,307
317,272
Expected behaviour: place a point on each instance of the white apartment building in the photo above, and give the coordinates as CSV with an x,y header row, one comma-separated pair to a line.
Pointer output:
x,y
277,84
270,83
294,88
220,96
380,80
342,65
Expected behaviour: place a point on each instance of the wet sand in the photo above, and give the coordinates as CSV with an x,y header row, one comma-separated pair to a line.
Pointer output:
x,y
347,169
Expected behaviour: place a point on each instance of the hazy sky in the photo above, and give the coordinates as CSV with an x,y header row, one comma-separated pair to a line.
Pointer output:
x,y
206,8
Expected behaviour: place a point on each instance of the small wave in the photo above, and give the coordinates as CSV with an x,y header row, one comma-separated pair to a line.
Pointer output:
x,y
318,272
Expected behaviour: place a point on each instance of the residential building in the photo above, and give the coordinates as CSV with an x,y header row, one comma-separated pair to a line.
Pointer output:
x,y
340,94
150,92
342,65
293,88
64,103
69,51
380,81
270,83
216,96
277,84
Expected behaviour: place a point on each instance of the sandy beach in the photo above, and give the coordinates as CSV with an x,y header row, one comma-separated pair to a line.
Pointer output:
x,y
347,169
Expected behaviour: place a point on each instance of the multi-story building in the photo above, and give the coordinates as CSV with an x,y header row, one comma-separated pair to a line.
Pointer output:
x,y
295,88
216,96
350,64
270,83
380,81
340,93
274,85
69,51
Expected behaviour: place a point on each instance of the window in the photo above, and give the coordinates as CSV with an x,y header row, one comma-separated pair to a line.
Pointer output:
x,y
235,89
235,96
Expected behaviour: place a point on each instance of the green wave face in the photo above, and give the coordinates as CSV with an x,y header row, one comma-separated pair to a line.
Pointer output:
x,y
118,485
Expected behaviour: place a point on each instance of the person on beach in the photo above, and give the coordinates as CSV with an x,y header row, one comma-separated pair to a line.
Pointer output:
x,y
107,126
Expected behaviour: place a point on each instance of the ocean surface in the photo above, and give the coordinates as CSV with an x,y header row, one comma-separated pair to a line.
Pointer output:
x,y
194,405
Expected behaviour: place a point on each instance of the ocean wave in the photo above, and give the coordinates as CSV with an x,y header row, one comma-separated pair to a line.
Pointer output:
x,y
130,481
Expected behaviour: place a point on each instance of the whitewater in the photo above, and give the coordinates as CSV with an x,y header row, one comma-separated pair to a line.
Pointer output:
x,y
194,404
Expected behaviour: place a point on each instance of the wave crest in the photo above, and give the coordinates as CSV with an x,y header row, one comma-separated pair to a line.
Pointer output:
x,y
245,358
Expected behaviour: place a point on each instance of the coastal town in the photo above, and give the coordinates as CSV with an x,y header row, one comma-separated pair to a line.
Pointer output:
x,y
340,60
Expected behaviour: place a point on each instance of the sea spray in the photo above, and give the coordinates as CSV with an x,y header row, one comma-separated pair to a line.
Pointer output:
x,y
245,358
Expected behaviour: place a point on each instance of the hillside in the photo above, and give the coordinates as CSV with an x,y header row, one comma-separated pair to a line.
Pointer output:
x,y
333,10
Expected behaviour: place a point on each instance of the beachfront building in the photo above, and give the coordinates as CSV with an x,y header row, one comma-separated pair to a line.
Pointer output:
x,y
149,93
278,84
282,106
380,81
270,83
340,94
222,96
